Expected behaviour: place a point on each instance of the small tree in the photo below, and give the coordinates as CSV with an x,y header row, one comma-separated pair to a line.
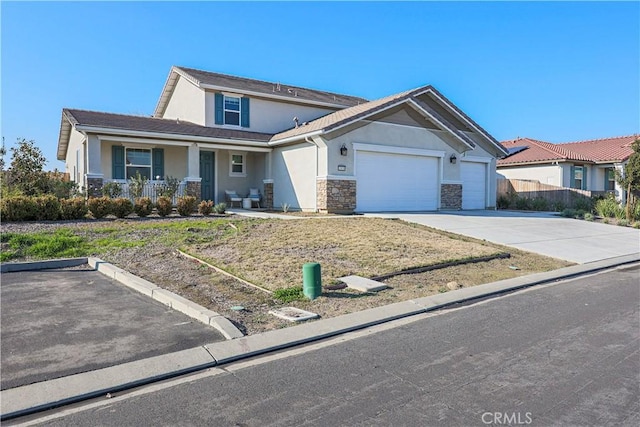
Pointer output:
x,y
26,172
630,179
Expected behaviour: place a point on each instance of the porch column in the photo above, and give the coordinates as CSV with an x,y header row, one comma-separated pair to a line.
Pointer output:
x,y
193,162
268,193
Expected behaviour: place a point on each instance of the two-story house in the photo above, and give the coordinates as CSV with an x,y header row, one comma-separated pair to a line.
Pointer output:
x,y
312,150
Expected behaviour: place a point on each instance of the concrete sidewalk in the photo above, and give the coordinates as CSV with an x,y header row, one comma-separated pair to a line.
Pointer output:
x,y
544,233
48,394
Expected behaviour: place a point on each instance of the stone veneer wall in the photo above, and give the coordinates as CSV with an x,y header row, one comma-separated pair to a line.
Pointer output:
x,y
94,187
451,196
336,195
194,188
267,200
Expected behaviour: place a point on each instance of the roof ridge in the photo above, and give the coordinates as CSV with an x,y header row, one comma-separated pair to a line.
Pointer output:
x,y
187,69
600,139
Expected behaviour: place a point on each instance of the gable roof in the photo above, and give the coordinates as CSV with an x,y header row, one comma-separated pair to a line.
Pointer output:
x,y
605,150
210,80
125,124
347,116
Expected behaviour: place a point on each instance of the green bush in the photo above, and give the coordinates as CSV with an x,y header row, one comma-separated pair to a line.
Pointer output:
x,y
220,208
205,207
583,204
568,213
186,205
540,204
608,207
503,202
122,207
112,190
522,203
623,222
48,208
557,206
143,207
164,206
579,214
75,208
18,208
100,206
588,216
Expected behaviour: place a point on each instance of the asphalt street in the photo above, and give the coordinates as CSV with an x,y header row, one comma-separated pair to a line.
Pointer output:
x,y
61,322
561,354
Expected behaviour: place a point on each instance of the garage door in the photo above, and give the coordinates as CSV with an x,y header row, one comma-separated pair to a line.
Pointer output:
x,y
396,182
474,185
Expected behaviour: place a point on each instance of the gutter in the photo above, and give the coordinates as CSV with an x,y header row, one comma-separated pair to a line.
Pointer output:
x,y
296,137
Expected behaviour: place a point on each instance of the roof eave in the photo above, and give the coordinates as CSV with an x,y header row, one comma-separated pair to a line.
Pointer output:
x,y
170,136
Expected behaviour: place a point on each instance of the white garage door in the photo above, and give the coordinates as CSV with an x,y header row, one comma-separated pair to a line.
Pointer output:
x,y
474,185
396,182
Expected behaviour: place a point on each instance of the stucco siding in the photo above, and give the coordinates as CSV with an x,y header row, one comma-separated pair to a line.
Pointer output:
x,y
75,160
175,158
269,116
255,173
294,175
186,103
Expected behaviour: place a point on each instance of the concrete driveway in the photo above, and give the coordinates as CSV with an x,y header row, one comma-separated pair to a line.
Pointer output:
x,y
544,233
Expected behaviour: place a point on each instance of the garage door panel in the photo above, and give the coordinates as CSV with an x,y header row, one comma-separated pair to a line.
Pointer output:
x,y
396,182
474,185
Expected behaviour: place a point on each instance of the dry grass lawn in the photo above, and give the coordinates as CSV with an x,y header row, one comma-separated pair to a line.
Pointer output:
x,y
271,253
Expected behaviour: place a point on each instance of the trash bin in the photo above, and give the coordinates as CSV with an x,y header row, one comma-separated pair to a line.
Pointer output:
x,y
246,203
311,280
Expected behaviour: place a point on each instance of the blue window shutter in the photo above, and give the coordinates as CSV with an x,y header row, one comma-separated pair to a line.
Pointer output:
x,y
219,109
572,183
158,162
244,112
117,162
584,177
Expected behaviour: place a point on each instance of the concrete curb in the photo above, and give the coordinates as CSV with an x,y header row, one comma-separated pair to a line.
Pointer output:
x,y
39,396
41,265
176,302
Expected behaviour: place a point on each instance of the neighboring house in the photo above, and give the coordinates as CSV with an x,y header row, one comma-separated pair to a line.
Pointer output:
x,y
310,149
586,165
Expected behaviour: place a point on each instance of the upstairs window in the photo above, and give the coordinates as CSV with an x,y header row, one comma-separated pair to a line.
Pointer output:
x,y
231,110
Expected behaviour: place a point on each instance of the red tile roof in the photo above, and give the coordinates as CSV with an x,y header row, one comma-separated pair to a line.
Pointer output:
x,y
605,150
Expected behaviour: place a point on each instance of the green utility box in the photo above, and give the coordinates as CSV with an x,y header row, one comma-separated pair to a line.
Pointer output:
x,y
311,280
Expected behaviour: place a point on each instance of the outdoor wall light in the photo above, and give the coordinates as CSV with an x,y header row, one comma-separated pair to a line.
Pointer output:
x,y
453,159
343,150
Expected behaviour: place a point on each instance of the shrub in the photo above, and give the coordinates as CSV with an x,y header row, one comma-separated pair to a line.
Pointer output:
x,y
75,208
169,188
579,214
568,213
143,207
164,206
48,208
220,208
583,204
18,208
122,207
608,207
540,204
186,205
100,206
205,207
588,216
622,222
503,202
558,206
522,203
137,184
112,189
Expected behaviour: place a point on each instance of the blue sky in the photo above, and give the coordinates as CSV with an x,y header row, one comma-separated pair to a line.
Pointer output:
x,y
553,71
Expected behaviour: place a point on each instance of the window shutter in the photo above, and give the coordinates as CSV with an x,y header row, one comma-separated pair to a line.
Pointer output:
x,y
572,172
244,112
584,177
219,109
117,162
157,154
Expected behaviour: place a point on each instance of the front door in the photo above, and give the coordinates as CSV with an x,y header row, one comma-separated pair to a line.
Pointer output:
x,y
207,174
